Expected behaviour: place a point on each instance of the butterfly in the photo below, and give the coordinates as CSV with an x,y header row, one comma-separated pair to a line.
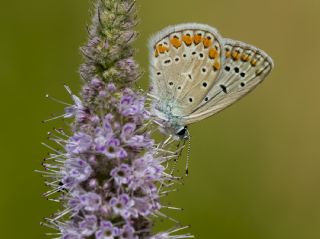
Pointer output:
x,y
195,73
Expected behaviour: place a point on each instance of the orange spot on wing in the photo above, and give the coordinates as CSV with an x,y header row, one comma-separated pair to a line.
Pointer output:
x,y
197,39
236,55
213,53
228,53
245,57
162,49
187,39
254,62
175,41
216,66
207,42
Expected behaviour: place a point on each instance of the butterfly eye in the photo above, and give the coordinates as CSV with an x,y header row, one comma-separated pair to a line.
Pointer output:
x,y
182,131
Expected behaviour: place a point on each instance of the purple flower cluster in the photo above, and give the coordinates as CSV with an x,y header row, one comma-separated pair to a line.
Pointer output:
x,y
109,173
109,170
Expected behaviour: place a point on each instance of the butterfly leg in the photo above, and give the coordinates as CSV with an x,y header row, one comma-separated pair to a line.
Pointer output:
x,y
167,141
179,152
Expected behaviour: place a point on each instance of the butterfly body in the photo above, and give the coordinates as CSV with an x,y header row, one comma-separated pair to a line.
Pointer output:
x,y
195,73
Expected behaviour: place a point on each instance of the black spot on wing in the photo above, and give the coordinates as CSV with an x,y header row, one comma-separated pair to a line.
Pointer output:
x,y
224,88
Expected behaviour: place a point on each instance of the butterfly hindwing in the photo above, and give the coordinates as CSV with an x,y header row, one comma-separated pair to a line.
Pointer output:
x,y
244,68
185,63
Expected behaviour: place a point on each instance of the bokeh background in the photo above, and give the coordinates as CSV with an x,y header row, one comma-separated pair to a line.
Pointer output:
x,y
255,167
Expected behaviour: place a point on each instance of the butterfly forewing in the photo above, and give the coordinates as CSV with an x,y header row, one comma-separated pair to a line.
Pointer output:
x,y
244,68
185,63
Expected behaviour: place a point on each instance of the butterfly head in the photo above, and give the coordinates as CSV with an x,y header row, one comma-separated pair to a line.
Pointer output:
x,y
177,131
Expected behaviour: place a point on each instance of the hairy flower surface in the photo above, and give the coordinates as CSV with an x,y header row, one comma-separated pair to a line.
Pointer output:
x,y
108,174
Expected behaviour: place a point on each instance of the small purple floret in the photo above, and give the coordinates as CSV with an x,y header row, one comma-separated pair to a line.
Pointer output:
x,y
107,231
123,205
79,143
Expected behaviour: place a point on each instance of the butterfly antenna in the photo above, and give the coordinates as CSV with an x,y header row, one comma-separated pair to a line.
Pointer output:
x,y
188,153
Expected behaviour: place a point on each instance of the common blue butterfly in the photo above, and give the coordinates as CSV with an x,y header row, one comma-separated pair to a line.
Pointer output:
x,y
195,73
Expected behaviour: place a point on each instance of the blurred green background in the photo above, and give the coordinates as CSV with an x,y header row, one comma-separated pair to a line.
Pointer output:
x,y
254,170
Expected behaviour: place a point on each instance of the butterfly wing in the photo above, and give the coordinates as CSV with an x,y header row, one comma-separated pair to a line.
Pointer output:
x,y
185,62
244,67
